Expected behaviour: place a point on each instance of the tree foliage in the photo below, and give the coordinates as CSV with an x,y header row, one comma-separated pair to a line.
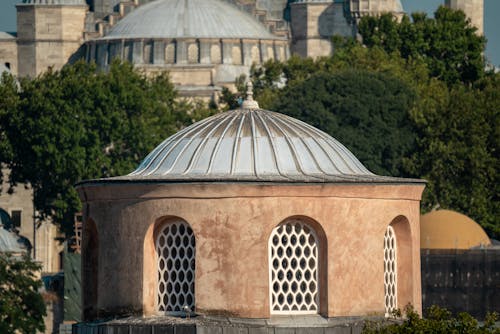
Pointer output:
x,y
455,127
436,321
458,145
77,123
447,43
368,112
21,306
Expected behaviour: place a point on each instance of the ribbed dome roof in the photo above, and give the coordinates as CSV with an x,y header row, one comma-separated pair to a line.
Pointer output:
x,y
253,145
189,19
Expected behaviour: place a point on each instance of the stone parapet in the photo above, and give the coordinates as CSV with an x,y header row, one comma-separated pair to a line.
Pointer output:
x,y
227,325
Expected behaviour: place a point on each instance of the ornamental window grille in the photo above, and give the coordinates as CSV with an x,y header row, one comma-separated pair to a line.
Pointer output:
x,y
176,247
390,271
293,259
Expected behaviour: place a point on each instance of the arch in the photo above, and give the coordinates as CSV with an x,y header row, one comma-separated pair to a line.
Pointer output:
x,y
215,54
170,50
90,269
236,55
255,54
169,267
398,261
297,254
193,53
148,52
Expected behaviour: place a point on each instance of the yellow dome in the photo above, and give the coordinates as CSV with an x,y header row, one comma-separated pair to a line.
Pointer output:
x,y
445,229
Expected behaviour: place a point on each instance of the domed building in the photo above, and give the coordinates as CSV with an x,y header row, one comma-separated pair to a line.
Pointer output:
x,y
446,229
204,44
250,214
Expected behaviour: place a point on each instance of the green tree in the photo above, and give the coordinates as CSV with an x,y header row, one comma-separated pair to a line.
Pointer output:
x,y
78,123
368,112
447,43
458,145
21,306
9,100
436,321
456,128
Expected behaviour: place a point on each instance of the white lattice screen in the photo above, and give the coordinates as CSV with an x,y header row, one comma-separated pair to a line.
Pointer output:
x,y
293,259
175,246
390,271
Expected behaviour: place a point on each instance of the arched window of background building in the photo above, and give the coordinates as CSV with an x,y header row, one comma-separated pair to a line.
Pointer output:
x,y
215,54
390,271
175,247
193,53
170,53
293,260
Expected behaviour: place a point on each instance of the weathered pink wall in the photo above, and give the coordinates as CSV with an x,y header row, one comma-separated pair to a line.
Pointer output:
x,y
232,224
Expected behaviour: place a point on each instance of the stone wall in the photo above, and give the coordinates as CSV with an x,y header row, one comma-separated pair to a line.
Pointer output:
x,y
314,24
48,35
474,9
8,52
47,249
462,281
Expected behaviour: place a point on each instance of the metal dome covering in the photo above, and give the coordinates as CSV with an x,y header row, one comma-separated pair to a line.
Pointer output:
x,y
188,19
251,144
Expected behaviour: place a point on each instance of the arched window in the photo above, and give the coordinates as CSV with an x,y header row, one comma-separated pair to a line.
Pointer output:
x,y
390,270
193,53
170,53
175,246
293,260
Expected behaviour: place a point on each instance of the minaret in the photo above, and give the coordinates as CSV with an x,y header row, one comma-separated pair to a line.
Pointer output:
x,y
49,32
474,9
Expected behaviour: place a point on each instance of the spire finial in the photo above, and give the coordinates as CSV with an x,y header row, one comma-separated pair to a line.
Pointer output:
x,y
249,102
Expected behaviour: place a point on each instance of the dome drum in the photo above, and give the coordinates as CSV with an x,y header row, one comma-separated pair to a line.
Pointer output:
x,y
186,51
213,61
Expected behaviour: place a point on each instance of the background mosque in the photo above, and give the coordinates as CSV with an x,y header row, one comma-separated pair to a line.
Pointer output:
x,y
204,44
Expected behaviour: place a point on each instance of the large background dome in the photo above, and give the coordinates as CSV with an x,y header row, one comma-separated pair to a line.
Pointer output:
x,y
189,18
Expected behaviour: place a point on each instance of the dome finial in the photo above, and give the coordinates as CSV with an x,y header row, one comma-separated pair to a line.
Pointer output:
x,y
249,102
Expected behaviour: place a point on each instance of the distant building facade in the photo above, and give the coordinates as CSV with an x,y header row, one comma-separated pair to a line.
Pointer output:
x,y
203,44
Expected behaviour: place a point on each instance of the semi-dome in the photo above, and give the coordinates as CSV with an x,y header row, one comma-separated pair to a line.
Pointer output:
x,y
446,229
189,19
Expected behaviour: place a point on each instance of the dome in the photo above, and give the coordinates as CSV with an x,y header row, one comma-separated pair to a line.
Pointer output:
x,y
250,144
10,242
445,229
188,19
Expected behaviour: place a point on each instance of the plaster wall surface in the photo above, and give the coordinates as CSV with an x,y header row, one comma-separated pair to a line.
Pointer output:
x,y
232,224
